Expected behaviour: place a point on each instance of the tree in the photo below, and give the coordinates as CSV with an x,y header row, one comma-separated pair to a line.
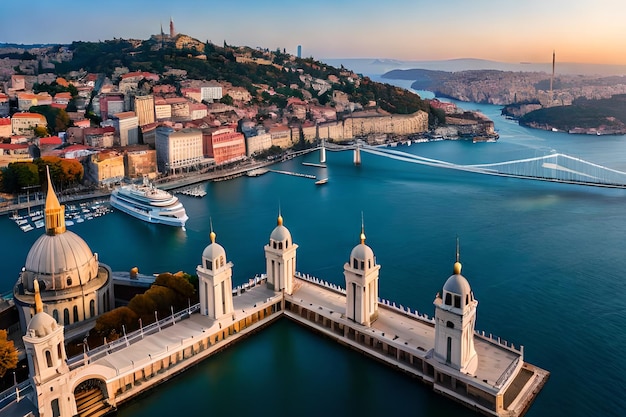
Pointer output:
x,y
228,100
8,354
110,324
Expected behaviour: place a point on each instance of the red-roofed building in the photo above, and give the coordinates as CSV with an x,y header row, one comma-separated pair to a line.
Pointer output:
x,y
139,75
76,151
223,144
25,123
50,141
5,127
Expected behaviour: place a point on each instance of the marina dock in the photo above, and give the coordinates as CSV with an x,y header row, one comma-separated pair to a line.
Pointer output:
x,y
295,174
311,164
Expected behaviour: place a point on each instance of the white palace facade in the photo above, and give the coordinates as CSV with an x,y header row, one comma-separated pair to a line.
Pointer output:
x,y
445,352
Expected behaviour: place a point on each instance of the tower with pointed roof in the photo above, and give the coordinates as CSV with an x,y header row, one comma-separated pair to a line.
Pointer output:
x,y
216,285
74,285
455,320
361,273
280,258
45,350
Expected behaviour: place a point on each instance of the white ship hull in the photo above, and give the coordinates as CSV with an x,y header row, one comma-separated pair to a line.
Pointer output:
x,y
132,200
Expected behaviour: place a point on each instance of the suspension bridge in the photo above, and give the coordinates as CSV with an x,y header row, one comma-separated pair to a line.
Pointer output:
x,y
555,167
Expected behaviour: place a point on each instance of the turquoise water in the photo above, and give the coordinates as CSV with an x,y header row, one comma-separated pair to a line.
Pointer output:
x,y
545,262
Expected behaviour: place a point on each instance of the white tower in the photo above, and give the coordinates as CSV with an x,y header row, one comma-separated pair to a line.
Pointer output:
x,y
45,349
361,274
323,153
455,319
280,256
216,284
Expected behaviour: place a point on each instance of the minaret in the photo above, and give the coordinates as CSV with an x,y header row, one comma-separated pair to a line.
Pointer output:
x,y
216,284
455,319
45,350
172,32
55,212
361,273
280,258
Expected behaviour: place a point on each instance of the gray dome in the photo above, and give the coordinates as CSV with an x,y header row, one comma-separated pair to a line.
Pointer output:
x,y
457,284
66,256
213,251
362,252
42,324
280,234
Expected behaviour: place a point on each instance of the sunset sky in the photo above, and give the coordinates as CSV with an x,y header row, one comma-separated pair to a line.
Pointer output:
x,y
591,31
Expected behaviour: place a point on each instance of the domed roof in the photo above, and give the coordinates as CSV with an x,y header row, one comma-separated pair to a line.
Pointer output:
x,y
362,252
457,284
213,250
65,253
42,324
280,232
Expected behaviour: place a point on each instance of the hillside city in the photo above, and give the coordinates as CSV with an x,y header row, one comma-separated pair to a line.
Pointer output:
x,y
173,105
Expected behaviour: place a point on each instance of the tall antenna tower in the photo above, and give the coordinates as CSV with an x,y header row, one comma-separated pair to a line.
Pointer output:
x,y
551,98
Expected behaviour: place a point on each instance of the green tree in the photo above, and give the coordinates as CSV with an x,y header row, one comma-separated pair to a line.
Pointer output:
x,y
228,100
8,354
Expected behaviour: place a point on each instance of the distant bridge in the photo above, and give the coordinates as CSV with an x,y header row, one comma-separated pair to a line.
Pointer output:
x,y
556,167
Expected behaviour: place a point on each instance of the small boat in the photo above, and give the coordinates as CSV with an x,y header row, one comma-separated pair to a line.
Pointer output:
x,y
322,181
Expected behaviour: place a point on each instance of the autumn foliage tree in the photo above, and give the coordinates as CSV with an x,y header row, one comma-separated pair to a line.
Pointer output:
x,y
8,354
110,324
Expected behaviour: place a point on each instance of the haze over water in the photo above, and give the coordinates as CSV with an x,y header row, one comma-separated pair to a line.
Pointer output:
x,y
545,262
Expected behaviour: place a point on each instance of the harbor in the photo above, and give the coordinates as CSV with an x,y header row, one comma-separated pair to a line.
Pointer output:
x,y
75,213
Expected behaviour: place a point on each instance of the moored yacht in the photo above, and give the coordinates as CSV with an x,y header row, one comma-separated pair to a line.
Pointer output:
x,y
149,204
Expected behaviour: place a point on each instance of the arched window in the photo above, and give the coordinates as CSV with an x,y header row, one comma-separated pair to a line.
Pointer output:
x,y
75,314
59,352
362,264
69,281
92,308
221,261
66,317
448,301
355,263
280,245
274,245
449,325
457,301
48,359
55,315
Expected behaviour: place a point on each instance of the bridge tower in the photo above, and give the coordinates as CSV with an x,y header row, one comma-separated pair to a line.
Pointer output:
x,y
455,319
216,284
357,155
280,257
361,273
322,153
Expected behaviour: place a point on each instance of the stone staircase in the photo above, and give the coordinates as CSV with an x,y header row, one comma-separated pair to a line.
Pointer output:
x,y
90,403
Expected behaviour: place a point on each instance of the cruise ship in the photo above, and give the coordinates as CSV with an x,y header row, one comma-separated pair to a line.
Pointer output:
x,y
150,204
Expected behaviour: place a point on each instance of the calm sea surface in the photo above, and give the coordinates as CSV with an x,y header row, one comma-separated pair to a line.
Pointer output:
x,y
545,261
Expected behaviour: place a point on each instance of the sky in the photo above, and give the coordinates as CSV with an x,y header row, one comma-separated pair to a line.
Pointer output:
x,y
584,31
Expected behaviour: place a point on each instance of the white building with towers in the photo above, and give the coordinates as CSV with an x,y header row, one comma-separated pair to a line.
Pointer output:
x,y
361,273
215,281
455,320
280,257
443,352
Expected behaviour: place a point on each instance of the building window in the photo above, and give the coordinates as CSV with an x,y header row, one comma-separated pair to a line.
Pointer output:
x,y
355,264
280,245
449,324
48,359
66,317
75,314
69,281
221,261
59,352
362,265
457,301
92,308
55,315
209,264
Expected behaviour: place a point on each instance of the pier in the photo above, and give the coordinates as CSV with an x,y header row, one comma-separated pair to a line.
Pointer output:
x,y
295,174
311,164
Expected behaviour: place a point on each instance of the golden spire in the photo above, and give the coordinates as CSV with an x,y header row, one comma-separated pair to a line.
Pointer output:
x,y
38,302
55,212
279,221
457,264
362,230
212,235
